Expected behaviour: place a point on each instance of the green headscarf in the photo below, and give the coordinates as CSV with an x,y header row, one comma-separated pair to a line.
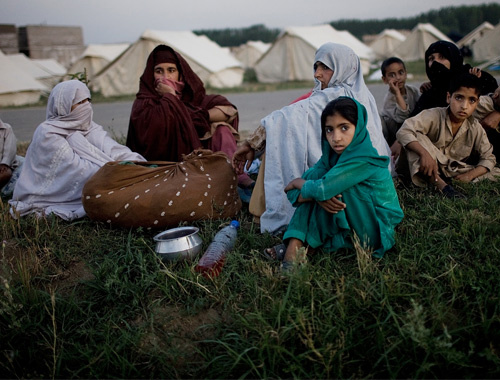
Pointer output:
x,y
361,176
360,148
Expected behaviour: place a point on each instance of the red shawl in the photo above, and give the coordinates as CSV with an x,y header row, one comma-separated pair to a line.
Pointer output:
x,y
163,128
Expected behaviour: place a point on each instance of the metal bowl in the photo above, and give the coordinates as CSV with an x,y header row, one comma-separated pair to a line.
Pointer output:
x,y
182,243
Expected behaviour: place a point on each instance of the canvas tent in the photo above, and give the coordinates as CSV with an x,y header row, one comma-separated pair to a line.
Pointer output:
x,y
416,43
52,66
250,52
39,69
17,87
291,55
215,66
488,46
474,35
95,57
386,41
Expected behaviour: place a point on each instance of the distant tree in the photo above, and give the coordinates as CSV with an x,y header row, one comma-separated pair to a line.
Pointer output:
x,y
455,22
235,37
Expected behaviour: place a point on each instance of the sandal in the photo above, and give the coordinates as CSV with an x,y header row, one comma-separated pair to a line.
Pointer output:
x,y
275,253
287,267
300,261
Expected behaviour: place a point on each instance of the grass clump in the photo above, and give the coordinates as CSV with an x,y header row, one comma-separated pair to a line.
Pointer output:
x,y
83,300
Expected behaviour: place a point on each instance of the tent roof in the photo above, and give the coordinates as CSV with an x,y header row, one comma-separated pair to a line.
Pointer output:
x,y
51,65
431,29
487,47
29,66
15,79
386,41
105,51
249,52
258,45
199,49
320,34
475,34
390,33
416,43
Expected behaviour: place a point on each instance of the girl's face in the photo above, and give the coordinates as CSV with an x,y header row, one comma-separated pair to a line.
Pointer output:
x,y
339,132
167,71
322,73
438,57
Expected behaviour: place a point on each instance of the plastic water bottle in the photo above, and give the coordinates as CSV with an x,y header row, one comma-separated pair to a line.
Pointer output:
x,y
212,261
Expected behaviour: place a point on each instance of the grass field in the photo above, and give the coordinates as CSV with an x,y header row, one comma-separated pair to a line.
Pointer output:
x,y
83,300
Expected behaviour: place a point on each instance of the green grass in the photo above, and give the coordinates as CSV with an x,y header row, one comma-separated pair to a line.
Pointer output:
x,y
83,300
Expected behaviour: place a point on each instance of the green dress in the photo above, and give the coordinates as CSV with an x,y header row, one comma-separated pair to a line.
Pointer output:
x,y
361,176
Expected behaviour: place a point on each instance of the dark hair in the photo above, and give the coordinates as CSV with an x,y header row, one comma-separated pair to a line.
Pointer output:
x,y
346,107
390,61
465,80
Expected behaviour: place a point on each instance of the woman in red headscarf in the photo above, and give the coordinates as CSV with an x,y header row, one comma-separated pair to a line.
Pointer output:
x,y
172,114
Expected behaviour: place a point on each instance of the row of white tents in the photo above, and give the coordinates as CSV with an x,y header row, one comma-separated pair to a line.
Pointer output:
x,y
215,66
23,80
291,56
483,42
114,69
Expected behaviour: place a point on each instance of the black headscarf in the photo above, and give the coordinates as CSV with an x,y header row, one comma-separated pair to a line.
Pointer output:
x,y
441,77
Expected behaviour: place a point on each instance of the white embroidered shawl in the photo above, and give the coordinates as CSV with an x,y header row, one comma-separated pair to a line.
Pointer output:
x,y
66,150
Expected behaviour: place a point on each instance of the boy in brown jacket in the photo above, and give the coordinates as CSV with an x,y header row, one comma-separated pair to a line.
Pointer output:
x,y
448,142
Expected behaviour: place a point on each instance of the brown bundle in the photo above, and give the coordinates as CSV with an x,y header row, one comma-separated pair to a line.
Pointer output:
x,y
138,194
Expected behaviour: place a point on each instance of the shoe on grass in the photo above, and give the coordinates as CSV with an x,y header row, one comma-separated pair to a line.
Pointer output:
x,y
275,253
450,192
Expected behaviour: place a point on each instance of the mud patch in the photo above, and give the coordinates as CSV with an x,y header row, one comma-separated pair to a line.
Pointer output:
x,y
178,336
25,265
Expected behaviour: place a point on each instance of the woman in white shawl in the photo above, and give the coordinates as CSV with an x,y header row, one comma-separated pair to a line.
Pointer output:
x,y
66,150
291,136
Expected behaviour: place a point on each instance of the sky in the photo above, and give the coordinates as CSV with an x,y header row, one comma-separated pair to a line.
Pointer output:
x,y
117,21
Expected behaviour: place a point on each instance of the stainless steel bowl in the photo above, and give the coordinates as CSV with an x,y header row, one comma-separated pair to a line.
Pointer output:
x,y
182,243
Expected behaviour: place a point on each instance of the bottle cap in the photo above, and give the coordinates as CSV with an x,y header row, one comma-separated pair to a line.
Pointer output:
x,y
235,224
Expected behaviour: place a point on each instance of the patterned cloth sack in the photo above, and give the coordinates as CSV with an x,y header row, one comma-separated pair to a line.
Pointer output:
x,y
161,194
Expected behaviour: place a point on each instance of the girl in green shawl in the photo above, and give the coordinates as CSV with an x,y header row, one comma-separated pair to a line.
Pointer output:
x,y
349,169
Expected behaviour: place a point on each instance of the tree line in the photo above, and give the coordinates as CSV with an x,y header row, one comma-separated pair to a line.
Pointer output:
x,y
455,22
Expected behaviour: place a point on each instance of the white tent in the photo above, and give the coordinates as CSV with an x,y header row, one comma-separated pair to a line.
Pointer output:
x,y
416,43
475,35
215,66
488,46
39,69
95,57
291,55
17,87
386,41
250,52
51,65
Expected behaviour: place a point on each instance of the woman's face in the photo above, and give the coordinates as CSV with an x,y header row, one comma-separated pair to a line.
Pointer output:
x,y
322,73
77,104
438,57
167,71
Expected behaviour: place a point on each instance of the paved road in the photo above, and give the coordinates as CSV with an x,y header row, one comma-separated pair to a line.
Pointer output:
x,y
114,116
